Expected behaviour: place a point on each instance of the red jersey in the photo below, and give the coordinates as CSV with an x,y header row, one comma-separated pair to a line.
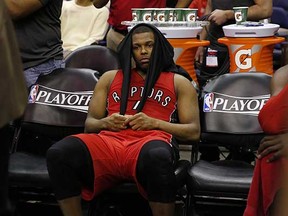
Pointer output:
x,y
160,104
120,10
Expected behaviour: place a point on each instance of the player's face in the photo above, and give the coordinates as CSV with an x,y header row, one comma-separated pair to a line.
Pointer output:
x,y
142,46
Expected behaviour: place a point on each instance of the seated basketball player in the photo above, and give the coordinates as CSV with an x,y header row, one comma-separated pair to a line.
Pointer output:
x,y
128,133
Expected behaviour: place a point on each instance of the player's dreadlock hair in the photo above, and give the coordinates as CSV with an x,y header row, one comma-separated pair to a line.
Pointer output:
x,y
161,60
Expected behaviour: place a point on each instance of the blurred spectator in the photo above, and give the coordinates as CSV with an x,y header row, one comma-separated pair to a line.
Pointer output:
x,y
120,10
82,24
200,5
37,26
13,97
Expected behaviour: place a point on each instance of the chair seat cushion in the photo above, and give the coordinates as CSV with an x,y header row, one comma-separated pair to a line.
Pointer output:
x,y
220,176
28,170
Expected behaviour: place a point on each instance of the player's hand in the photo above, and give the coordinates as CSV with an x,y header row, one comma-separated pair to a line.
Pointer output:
x,y
141,121
199,54
115,122
218,16
276,145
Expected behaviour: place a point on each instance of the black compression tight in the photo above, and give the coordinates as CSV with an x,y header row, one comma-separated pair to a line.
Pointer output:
x,y
155,171
70,168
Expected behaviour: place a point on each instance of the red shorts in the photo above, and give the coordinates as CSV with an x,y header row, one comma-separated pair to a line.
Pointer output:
x,y
114,156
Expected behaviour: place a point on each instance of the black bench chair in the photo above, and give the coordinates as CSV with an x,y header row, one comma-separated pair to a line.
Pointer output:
x,y
58,105
229,119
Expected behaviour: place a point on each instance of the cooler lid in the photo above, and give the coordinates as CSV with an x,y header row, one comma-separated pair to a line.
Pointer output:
x,y
173,29
180,32
250,29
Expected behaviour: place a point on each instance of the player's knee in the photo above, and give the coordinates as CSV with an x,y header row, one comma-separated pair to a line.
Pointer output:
x,y
161,179
159,165
54,158
159,159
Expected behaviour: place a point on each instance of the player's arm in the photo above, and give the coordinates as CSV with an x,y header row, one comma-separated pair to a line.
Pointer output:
x,y
208,10
96,118
279,80
262,9
218,16
22,8
188,128
203,34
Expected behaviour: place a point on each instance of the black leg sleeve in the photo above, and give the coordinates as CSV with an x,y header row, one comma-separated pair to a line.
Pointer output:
x,y
70,167
155,171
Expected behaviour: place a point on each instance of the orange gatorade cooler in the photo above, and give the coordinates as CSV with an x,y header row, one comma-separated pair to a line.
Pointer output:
x,y
251,46
185,43
188,48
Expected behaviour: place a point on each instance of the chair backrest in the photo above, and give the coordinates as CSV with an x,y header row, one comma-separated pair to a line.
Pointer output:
x,y
95,57
58,102
231,103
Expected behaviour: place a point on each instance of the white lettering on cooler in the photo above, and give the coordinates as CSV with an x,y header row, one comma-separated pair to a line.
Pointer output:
x,y
243,59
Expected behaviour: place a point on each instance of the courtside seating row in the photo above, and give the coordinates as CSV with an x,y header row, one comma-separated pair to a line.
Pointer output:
x,y
58,106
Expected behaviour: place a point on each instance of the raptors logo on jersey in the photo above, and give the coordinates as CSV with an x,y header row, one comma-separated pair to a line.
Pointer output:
x,y
162,97
137,92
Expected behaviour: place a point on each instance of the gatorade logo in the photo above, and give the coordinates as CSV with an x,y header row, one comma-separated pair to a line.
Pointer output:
x,y
147,17
191,17
134,16
161,17
243,59
171,16
238,16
